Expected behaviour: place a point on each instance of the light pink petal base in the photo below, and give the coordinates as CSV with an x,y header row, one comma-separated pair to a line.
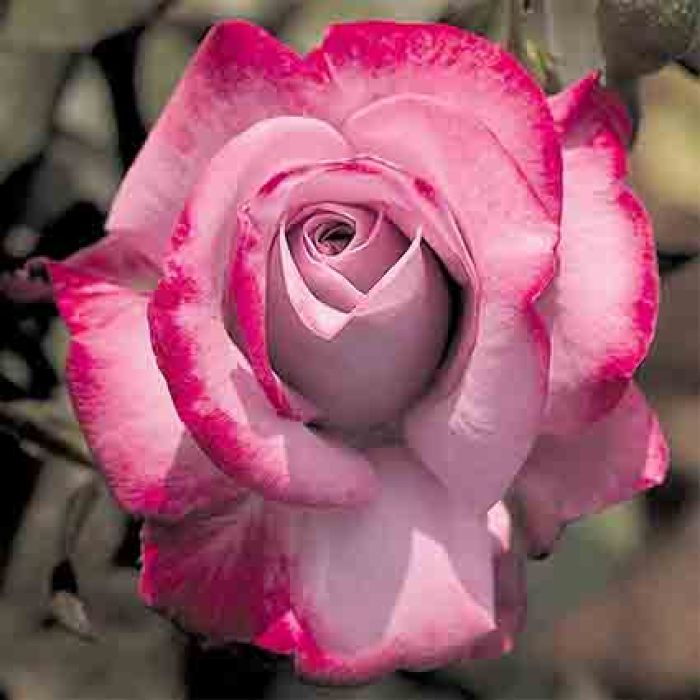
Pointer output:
x,y
476,439
406,581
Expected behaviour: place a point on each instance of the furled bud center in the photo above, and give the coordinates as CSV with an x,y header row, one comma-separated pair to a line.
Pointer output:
x,y
358,313
333,239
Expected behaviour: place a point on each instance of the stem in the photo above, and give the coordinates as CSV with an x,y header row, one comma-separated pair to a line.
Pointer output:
x,y
117,59
34,432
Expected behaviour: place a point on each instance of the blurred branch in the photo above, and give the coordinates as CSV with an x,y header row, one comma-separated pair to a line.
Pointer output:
x,y
78,509
278,15
481,16
117,59
543,55
641,36
515,38
690,60
36,430
31,84
66,606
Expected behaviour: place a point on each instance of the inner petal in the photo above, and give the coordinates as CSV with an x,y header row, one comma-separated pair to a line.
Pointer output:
x,y
332,238
356,243
363,362
363,367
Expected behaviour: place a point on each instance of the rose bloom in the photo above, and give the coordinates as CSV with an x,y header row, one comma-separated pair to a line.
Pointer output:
x,y
349,306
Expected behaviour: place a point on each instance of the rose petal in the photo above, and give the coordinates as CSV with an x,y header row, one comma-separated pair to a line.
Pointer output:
x,y
114,258
511,238
361,219
417,211
477,436
239,170
366,61
410,203
602,317
247,433
223,574
151,463
364,367
405,581
222,404
239,76
362,264
321,279
611,460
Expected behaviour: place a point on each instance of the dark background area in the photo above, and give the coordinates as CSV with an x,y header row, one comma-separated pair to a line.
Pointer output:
x,y
615,613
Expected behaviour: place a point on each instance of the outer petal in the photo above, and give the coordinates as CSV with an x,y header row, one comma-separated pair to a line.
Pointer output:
x,y
608,462
366,61
602,306
405,581
253,436
239,76
223,574
151,463
477,437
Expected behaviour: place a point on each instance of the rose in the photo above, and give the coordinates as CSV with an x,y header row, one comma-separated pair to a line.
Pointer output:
x,y
347,304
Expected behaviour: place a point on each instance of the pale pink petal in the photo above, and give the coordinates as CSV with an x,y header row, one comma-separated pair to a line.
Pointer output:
x,y
223,574
406,581
366,61
602,306
233,404
508,231
477,436
239,76
510,596
611,460
221,402
151,463
361,219
412,204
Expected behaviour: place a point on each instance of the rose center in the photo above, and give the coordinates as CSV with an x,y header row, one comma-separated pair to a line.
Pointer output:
x,y
333,239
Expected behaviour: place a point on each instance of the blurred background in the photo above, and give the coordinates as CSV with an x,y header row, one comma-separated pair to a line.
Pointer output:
x,y
615,613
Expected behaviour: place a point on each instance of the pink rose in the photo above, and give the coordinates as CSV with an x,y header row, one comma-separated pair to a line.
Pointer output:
x,y
347,303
